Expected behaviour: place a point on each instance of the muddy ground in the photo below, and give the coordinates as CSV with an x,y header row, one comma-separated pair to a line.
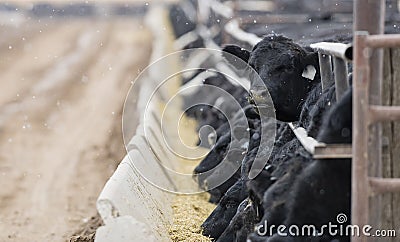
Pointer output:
x,y
62,87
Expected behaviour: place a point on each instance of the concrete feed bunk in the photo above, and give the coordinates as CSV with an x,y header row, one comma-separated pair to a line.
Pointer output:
x,y
132,205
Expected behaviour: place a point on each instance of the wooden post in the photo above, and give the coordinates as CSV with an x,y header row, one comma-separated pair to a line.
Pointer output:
x,y
395,148
369,16
361,78
387,141
391,142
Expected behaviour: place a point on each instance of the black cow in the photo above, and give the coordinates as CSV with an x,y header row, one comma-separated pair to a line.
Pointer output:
x,y
288,70
220,110
220,218
322,191
242,223
232,144
270,190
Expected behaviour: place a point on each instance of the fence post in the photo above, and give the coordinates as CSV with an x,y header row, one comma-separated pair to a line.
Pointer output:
x,y
369,16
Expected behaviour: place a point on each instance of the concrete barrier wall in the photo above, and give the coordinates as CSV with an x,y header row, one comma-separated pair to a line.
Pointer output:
x,y
133,209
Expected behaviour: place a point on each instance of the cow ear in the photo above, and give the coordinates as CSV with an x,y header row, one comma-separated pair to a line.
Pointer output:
x,y
236,56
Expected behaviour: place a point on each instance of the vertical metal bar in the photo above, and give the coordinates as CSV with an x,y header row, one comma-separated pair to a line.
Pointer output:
x,y
369,16
341,82
360,197
325,67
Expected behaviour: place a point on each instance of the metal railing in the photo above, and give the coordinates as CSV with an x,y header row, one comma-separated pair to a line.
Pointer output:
x,y
337,73
340,54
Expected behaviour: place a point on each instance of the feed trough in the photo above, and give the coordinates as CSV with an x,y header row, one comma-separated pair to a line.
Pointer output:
x,y
136,202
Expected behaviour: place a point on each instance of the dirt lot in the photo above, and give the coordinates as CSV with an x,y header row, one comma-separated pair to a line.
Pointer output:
x,y
62,85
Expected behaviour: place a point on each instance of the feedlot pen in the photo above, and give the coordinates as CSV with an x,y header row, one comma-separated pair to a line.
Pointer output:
x,y
375,152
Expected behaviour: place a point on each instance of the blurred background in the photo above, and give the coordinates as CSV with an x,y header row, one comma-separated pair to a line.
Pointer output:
x,y
65,69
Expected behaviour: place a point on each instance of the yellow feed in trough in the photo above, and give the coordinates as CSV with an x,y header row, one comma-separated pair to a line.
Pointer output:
x,y
189,211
